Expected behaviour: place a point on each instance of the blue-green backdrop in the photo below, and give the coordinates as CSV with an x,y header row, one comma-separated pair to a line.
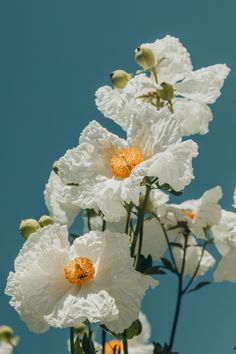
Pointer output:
x,y
54,55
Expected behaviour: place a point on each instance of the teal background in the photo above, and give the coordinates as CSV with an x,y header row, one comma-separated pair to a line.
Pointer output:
x,y
54,55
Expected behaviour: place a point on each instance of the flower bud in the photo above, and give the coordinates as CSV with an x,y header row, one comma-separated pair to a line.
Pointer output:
x,y
28,226
120,78
149,208
6,334
167,92
55,167
145,58
80,329
45,220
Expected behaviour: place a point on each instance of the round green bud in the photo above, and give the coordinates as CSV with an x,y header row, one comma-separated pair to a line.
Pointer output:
x,y
167,93
145,58
45,220
120,78
55,167
28,226
6,334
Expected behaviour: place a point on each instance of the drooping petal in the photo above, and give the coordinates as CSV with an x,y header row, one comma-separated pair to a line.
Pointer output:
x,y
222,230
175,60
194,256
193,117
174,165
226,268
6,348
204,85
60,208
92,156
38,282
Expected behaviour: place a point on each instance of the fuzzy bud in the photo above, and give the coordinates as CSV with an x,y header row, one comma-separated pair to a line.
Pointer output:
x,y
6,334
45,220
145,58
28,226
120,78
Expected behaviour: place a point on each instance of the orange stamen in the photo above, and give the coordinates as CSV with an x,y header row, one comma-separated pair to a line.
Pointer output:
x,y
79,271
124,161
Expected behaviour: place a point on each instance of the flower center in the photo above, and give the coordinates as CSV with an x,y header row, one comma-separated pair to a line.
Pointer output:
x,y
124,161
189,214
113,347
79,271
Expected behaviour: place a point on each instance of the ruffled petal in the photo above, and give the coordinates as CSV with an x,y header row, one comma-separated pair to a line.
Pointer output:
x,y
60,208
226,268
193,117
154,242
176,63
174,165
38,282
152,137
124,105
204,85
91,157
222,230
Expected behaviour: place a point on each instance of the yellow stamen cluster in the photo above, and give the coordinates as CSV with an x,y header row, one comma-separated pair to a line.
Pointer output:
x,y
124,161
79,271
191,215
113,344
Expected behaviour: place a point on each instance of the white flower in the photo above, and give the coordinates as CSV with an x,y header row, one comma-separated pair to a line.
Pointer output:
x,y
194,256
137,345
198,213
55,284
60,208
225,240
194,90
6,348
109,170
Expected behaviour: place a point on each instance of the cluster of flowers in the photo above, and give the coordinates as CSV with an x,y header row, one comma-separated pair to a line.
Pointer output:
x,y
123,187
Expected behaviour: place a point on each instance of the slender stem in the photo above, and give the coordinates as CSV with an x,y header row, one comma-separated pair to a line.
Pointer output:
x,y
88,222
167,241
125,344
155,75
129,211
196,270
72,344
140,244
103,341
180,294
103,224
140,220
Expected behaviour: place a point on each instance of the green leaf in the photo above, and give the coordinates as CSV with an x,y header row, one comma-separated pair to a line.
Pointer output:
x,y
172,191
176,244
144,263
154,270
199,286
167,264
87,345
78,348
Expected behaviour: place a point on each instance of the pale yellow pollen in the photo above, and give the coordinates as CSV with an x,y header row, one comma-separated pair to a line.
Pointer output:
x,y
191,215
124,161
79,271
113,344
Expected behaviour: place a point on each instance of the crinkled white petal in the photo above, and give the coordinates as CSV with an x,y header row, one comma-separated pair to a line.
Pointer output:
x,y
38,282
107,194
92,156
193,117
222,230
204,85
6,348
60,208
176,63
226,270
153,137
174,165
192,257
123,105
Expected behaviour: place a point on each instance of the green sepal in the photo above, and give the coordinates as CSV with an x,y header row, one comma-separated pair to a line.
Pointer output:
x,y
134,330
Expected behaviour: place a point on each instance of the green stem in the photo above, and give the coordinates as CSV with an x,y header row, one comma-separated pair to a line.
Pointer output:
x,y
125,344
129,211
179,295
155,75
196,270
72,344
103,341
140,220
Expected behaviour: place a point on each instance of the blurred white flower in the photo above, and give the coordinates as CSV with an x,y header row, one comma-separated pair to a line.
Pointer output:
x,y
55,284
225,240
137,345
198,213
6,348
193,90
60,208
108,170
